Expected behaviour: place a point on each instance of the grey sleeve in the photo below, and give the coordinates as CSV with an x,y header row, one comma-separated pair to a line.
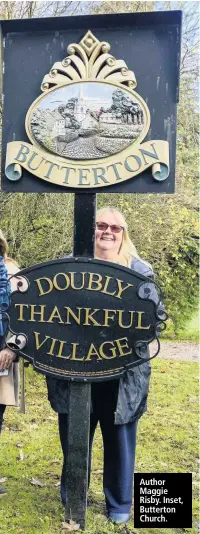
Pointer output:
x,y
142,268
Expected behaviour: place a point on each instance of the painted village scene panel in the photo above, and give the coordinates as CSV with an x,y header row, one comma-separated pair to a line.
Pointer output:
x,y
87,120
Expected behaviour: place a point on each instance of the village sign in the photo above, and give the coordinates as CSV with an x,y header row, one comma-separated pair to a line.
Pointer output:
x,y
84,320
88,125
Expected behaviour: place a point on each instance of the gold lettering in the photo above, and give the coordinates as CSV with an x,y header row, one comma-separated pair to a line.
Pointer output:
x,y
21,311
121,346
55,315
60,354
92,352
40,313
89,317
73,281
73,356
121,289
41,290
53,342
139,325
107,316
93,281
104,290
70,312
55,283
113,350
120,312
38,345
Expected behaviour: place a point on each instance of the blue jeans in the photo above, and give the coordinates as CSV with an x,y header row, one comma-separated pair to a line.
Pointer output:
x,y
119,447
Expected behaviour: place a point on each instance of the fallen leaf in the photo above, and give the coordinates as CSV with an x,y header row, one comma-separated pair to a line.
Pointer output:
x,y
2,480
57,484
19,445
36,482
71,526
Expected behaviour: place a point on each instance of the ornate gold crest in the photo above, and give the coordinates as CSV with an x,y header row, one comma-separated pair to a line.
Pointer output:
x,y
86,128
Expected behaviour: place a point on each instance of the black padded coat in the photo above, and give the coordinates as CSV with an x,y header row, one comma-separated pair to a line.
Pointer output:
x,y
133,385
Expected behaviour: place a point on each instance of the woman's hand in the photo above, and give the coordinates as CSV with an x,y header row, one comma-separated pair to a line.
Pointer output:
x,y
6,358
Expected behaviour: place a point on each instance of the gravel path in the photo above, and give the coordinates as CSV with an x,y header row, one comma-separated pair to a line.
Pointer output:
x,y
179,351
82,148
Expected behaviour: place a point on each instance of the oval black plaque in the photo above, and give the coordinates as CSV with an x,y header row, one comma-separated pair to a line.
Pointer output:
x,y
84,319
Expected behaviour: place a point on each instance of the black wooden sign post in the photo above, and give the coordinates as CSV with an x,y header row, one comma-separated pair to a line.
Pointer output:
x,y
75,123
77,452
80,392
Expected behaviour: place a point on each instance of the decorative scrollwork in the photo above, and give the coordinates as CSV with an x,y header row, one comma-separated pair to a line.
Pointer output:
x,y
105,47
71,49
53,72
89,60
111,61
124,71
151,291
143,352
66,62
17,342
19,283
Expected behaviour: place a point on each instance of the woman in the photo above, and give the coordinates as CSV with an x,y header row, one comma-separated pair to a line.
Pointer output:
x,y
9,383
117,404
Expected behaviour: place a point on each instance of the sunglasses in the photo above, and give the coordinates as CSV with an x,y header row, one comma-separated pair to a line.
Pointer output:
x,y
115,228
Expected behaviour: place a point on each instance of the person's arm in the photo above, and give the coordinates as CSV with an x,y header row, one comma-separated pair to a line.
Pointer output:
x,y
5,290
7,356
149,290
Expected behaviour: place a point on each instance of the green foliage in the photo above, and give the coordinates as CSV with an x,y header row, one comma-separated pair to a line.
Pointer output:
x,y
165,233
164,228
167,442
38,227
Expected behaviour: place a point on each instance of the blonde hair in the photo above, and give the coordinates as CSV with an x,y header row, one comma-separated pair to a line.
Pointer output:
x,y
127,250
4,249
3,245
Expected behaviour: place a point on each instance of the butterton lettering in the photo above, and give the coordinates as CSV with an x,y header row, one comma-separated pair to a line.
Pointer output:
x,y
135,162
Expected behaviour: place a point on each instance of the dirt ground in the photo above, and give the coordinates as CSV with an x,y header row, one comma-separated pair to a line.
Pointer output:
x,y
178,351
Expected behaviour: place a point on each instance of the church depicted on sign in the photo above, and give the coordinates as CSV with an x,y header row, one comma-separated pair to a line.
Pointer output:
x,y
85,103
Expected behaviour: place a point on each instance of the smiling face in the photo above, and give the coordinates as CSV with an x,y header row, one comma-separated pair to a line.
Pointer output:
x,y
107,242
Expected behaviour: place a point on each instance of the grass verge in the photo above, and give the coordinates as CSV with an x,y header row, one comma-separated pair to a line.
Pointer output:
x,y
190,332
167,442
